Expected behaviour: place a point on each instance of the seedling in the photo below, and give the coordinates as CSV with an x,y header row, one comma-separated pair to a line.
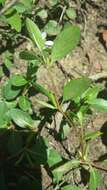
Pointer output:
x,y
17,110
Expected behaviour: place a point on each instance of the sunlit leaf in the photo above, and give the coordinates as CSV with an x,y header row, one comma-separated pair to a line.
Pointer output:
x,y
95,179
35,34
65,42
21,118
18,80
13,18
75,88
10,92
99,104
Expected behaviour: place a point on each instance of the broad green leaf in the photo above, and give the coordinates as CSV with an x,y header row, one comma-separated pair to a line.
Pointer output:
x,y
52,28
3,123
70,187
2,1
35,34
71,13
9,92
59,172
99,104
15,143
4,119
93,135
65,42
27,55
20,8
18,80
53,157
3,109
27,3
42,14
13,18
95,179
11,104
75,88
21,118
24,103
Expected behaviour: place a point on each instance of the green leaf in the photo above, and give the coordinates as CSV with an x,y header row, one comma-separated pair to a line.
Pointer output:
x,y
3,115
27,3
75,88
24,103
35,34
59,172
65,42
21,118
52,28
18,80
8,64
70,187
45,92
95,179
42,14
71,13
53,157
2,1
99,104
3,109
92,92
20,8
27,55
93,135
9,92
45,104
3,123
13,18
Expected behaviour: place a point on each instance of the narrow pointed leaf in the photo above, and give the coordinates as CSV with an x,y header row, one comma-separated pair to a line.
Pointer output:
x,y
35,34
99,104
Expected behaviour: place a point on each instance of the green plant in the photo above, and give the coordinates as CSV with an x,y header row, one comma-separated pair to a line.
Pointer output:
x,y
16,110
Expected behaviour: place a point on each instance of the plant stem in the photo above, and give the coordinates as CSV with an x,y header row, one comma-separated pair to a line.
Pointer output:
x,y
94,165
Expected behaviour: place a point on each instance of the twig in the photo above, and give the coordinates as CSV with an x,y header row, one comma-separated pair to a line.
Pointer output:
x,y
94,165
98,76
62,14
8,6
